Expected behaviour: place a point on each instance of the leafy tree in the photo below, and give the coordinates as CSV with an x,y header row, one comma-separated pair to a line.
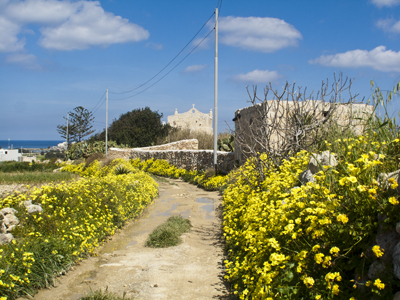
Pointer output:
x,y
79,126
138,128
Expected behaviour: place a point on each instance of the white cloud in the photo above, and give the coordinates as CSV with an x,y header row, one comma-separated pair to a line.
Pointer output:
x,y
382,3
258,76
379,59
66,25
194,68
8,36
41,11
91,26
258,34
389,25
27,61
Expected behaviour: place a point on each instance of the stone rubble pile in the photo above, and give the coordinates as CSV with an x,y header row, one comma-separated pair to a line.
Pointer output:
x,y
8,220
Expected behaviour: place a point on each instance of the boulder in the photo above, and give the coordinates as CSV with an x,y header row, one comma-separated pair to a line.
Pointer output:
x,y
384,177
306,176
396,260
375,269
7,211
396,296
387,240
27,203
319,160
6,238
33,208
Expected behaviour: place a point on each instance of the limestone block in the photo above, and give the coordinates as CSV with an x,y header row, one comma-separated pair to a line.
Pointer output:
x,y
6,238
34,209
306,176
7,211
319,160
10,220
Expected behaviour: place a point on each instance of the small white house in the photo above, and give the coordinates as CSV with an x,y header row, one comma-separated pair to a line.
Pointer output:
x,y
9,154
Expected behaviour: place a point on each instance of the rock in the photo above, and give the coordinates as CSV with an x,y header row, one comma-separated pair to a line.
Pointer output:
x,y
306,176
6,238
10,220
396,260
398,228
34,209
319,160
387,240
27,203
375,269
8,211
396,296
383,180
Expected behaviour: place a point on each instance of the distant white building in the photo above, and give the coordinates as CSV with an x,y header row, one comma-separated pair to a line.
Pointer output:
x,y
10,154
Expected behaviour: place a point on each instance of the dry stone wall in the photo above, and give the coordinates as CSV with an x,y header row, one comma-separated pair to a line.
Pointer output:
x,y
175,154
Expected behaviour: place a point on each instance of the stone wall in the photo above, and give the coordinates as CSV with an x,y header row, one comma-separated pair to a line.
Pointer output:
x,y
181,158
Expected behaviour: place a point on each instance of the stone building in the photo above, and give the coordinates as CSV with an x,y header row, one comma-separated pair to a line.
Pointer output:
x,y
192,119
271,119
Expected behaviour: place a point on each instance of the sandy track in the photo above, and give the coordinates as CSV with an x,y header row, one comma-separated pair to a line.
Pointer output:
x,y
191,270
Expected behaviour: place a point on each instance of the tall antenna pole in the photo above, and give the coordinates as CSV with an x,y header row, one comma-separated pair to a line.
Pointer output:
x,y
106,122
216,91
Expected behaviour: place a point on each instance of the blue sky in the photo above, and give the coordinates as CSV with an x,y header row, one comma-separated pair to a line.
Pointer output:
x,y
56,55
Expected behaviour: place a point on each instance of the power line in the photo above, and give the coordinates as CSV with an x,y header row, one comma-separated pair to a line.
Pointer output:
x,y
169,62
168,71
98,102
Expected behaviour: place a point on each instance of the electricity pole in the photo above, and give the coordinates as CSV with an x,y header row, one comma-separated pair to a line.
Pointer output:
x,y
67,135
216,91
106,122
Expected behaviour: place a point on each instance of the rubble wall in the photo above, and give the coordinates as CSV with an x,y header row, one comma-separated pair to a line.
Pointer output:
x,y
181,158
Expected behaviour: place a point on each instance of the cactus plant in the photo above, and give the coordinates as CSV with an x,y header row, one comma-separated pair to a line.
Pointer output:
x,y
226,144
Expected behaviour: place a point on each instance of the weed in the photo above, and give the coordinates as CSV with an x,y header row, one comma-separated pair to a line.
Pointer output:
x,y
106,295
168,234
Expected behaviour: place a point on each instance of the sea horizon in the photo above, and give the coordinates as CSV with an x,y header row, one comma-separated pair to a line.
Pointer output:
x,y
29,144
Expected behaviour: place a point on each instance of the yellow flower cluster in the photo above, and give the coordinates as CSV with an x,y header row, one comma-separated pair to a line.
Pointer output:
x,y
76,217
163,168
285,238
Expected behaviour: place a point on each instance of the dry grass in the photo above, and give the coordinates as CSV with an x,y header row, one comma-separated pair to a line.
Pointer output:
x,y
178,134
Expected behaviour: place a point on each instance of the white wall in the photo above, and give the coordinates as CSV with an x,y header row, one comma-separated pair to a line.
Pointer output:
x,y
9,154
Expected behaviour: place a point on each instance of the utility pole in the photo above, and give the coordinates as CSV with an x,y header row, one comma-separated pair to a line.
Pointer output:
x,y
67,135
216,91
106,122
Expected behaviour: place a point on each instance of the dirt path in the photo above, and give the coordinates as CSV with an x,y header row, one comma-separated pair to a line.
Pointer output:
x,y
191,270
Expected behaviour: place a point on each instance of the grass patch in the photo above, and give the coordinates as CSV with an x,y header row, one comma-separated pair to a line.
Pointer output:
x,y
100,295
168,234
36,177
15,166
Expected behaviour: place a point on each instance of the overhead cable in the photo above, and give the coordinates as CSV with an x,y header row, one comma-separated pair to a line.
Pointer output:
x,y
98,102
169,62
169,70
